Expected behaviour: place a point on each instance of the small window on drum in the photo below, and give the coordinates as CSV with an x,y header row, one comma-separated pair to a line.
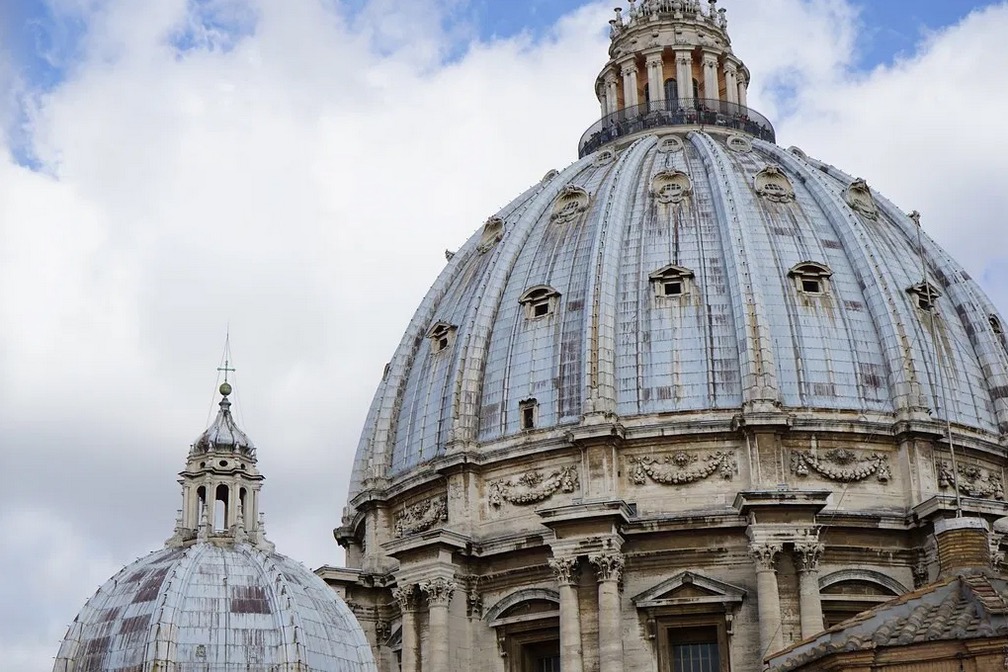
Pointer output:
x,y
539,301
671,282
811,278
925,296
528,413
442,336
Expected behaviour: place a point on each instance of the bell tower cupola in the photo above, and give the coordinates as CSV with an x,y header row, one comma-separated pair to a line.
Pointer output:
x,y
671,64
221,484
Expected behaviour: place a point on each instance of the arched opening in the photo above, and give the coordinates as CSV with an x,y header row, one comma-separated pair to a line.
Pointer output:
x,y
672,93
221,508
846,593
244,507
527,625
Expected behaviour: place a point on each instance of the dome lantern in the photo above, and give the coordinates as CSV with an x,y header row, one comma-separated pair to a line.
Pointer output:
x,y
671,64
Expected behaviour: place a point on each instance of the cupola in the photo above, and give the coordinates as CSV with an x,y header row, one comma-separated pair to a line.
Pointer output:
x,y
671,64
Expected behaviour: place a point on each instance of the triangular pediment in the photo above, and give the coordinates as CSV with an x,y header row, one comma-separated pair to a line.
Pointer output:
x,y
689,588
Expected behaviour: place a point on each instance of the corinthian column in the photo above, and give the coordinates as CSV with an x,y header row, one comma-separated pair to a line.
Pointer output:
x,y
566,571
608,570
807,555
630,84
711,89
406,597
731,82
611,89
767,597
684,76
656,77
439,592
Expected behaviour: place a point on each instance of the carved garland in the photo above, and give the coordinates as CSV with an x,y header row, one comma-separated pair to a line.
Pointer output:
x,y
974,481
421,517
841,465
533,486
677,469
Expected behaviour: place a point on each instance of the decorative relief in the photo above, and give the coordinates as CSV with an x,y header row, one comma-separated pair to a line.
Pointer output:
x,y
807,555
566,570
974,480
860,199
681,467
608,566
493,232
764,555
533,486
671,186
604,157
842,465
421,517
670,143
406,597
773,185
474,598
550,174
569,204
438,591
739,143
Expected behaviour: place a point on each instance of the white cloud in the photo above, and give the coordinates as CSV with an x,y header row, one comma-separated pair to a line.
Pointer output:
x,y
301,185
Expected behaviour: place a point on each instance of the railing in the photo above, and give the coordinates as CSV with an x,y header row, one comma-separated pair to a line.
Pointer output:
x,y
680,112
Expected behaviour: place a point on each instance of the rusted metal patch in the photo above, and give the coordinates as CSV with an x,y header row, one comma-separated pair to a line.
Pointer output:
x,y
134,624
151,586
249,600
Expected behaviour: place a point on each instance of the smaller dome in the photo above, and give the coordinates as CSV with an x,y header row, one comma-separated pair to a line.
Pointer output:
x,y
223,434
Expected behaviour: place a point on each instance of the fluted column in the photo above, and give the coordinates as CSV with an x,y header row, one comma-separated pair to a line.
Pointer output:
x,y
608,571
566,571
684,75
742,86
656,77
807,555
768,597
710,67
731,82
630,97
612,92
406,597
439,592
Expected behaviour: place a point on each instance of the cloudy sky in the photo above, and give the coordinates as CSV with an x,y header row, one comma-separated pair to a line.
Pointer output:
x,y
295,170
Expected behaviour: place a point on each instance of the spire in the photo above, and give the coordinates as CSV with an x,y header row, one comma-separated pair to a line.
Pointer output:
x,y
671,64
221,483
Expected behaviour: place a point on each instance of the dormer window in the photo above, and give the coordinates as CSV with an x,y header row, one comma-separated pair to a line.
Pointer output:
x,y
925,295
672,281
442,335
528,413
811,278
995,325
539,301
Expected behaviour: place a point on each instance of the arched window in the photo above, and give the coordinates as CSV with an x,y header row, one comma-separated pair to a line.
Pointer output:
x,y
221,508
672,92
848,592
539,301
527,624
811,278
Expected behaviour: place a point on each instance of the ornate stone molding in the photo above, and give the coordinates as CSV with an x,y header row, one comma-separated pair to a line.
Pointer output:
x,y
406,597
421,517
682,467
438,591
807,555
565,570
671,186
739,143
474,597
604,157
533,486
974,480
842,465
608,566
765,555
670,143
859,197
772,184
569,204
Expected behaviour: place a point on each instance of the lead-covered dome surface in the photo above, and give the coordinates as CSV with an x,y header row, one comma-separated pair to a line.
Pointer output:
x,y
215,607
793,291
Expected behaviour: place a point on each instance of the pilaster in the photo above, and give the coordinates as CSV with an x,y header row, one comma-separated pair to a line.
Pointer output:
x,y
807,555
406,597
566,571
608,571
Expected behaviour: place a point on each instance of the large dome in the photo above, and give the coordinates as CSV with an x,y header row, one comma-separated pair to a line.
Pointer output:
x,y
685,280
215,607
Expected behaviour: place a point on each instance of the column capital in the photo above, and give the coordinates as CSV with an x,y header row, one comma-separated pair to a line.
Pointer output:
x,y
710,58
406,597
765,555
438,591
608,566
565,570
653,59
807,555
610,77
628,70
730,67
684,57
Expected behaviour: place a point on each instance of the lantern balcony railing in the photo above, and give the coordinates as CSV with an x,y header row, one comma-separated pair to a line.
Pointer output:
x,y
670,113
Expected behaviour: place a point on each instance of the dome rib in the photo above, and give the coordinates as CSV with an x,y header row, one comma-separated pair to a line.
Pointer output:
x,y
757,361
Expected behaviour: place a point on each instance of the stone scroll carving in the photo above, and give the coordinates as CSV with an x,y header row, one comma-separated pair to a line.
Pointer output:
x,y
570,204
772,184
681,468
421,517
841,465
859,197
533,486
974,480
671,186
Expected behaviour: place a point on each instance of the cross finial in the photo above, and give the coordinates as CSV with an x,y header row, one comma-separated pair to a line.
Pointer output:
x,y
227,356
